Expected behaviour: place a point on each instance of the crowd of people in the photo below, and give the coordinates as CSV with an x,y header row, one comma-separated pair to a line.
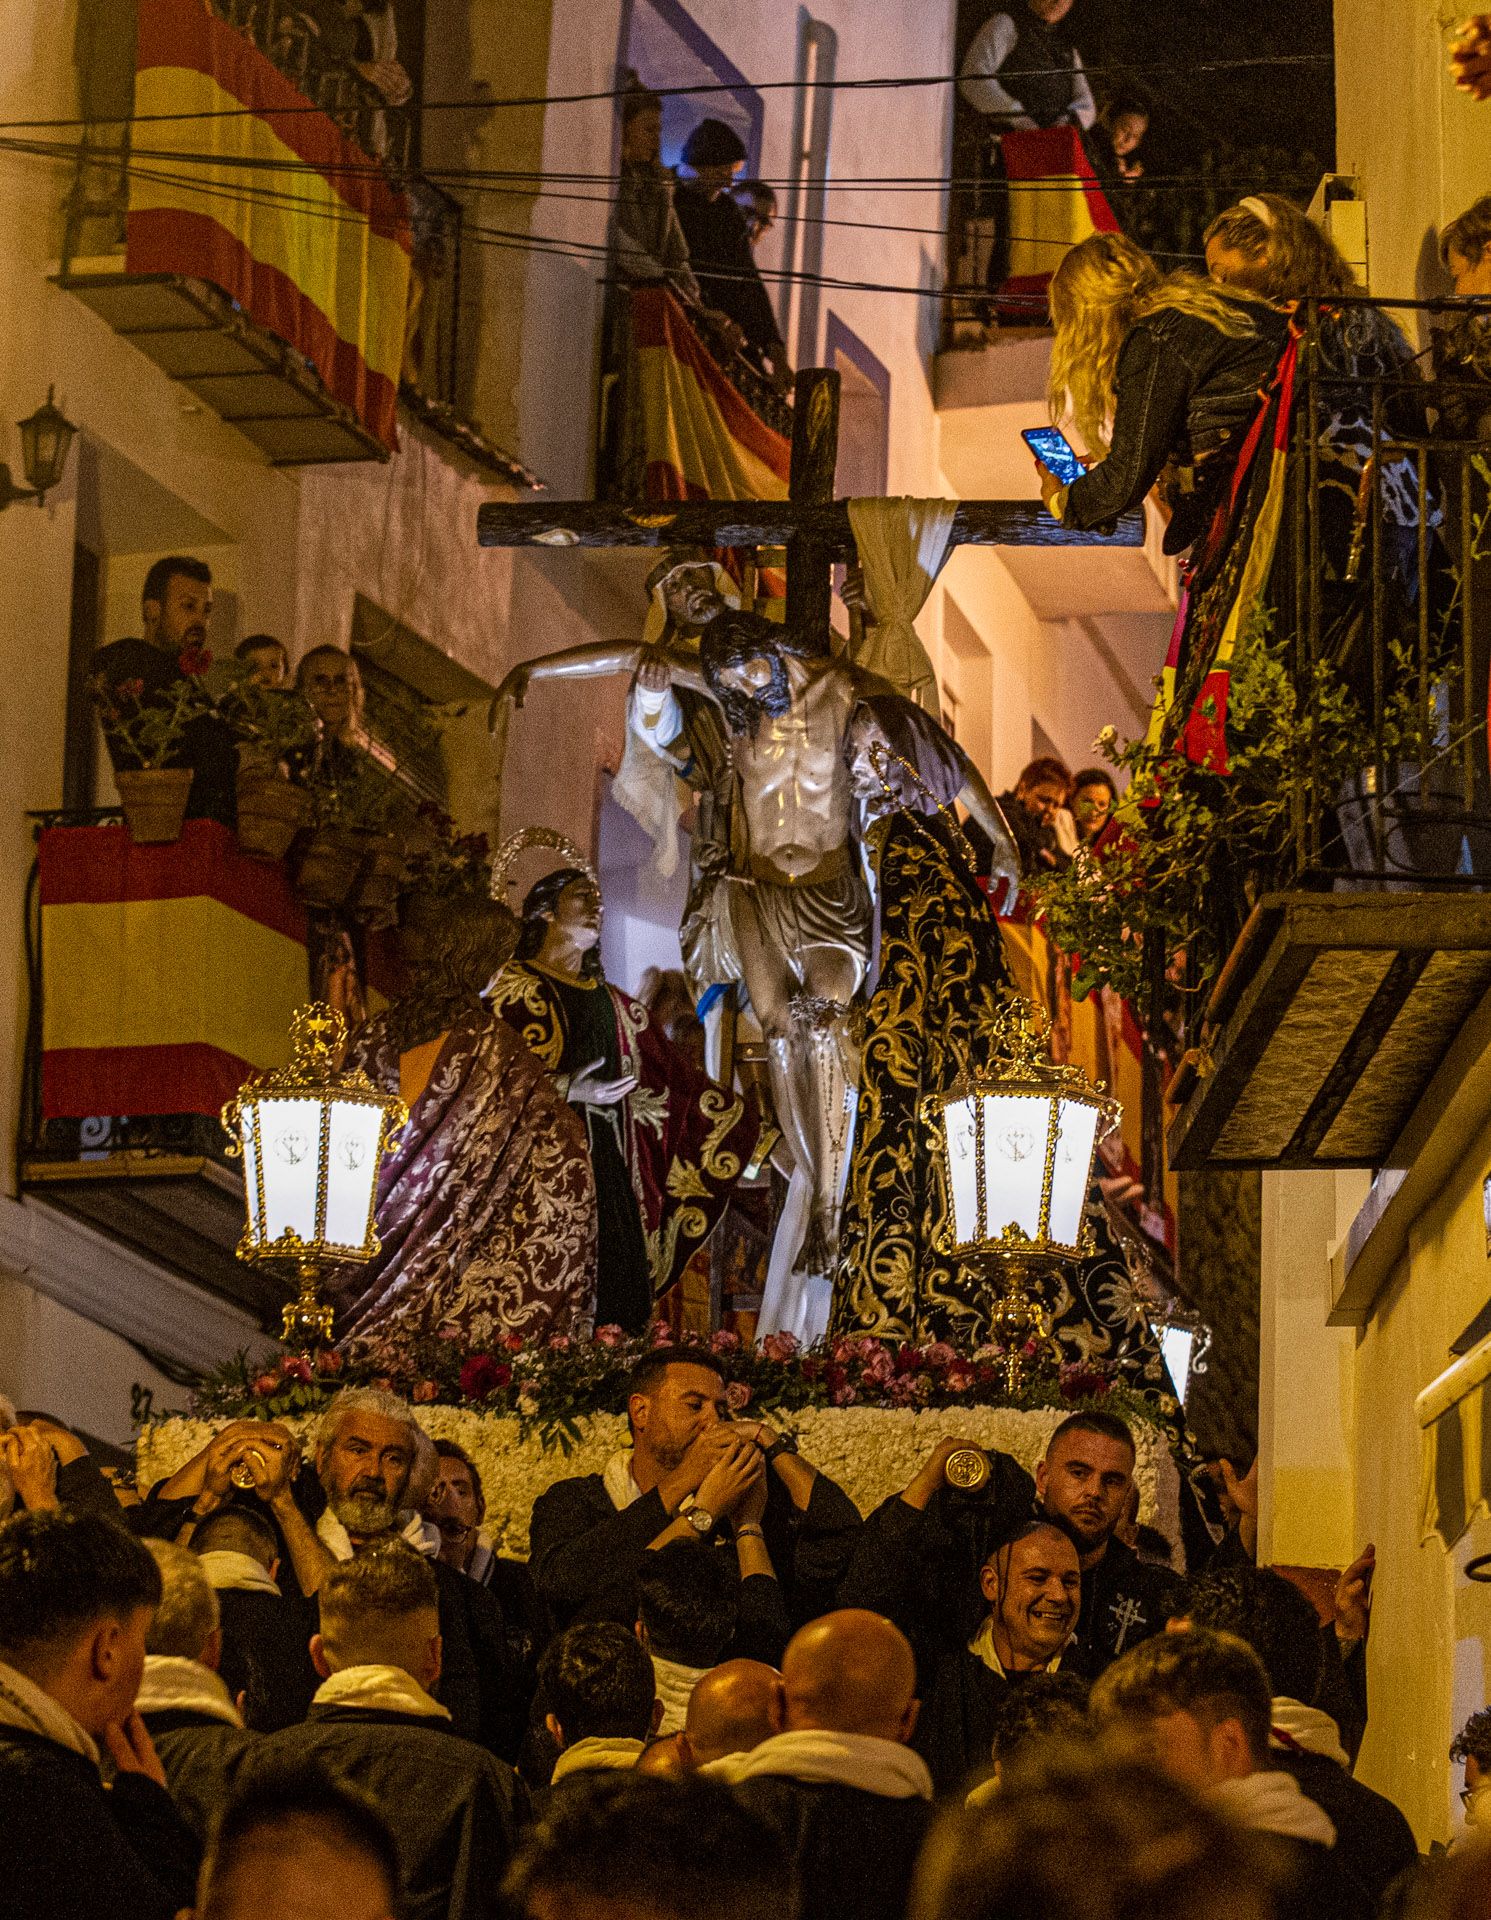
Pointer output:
x,y
285,1685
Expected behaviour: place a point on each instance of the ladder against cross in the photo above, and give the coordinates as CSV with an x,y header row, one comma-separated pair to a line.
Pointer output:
x,y
810,523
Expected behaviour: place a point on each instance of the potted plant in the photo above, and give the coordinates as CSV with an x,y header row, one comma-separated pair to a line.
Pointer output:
x,y
274,725
149,730
353,857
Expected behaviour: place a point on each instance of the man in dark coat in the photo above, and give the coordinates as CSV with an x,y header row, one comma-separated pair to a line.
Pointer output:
x,y
1084,1484
837,1779
690,1475
454,1809
265,1654
1276,1620
77,1594
719,242
188,1712
164,668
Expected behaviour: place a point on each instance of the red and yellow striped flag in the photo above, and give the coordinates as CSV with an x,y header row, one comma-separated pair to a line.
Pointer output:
x,y
1055,202
237,179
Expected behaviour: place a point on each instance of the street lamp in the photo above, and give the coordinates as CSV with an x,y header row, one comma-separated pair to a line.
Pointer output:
x,y
1017,1141
46,436
312,1135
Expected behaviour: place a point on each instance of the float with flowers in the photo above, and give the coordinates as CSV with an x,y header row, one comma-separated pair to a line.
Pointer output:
x,y
530,1412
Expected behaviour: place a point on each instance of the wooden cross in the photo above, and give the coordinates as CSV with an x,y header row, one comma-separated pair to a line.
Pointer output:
x,y
810,523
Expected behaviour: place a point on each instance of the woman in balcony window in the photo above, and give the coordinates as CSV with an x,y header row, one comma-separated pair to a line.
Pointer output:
x,y
1163,377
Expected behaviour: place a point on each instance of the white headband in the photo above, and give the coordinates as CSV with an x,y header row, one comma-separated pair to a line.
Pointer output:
x,y
1259,209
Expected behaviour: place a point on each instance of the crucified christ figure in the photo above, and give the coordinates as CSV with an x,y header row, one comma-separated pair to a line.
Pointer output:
x,y
790,903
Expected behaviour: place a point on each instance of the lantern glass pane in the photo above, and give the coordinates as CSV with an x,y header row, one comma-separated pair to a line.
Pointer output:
x,y
351,1169
1015,1129
960,1118
1075,1141
250,1174
290,1133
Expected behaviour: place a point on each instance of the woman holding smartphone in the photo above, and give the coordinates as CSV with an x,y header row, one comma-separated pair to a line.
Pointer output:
x,y
1176,380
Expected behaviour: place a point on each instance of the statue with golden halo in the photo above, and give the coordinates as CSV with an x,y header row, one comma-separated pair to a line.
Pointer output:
x,y
667,1144
486,1207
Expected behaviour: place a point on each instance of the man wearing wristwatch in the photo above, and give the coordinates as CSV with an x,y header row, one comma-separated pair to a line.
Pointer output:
x,y
690,1471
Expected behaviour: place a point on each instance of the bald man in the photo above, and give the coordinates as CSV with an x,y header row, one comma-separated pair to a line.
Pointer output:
x,y
836,1778
732,1710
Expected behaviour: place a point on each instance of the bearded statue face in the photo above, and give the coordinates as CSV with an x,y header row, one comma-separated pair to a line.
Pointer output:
x,y
692,597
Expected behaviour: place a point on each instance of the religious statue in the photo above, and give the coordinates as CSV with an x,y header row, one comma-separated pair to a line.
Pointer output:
x,y
486,1206
667,1145
782,904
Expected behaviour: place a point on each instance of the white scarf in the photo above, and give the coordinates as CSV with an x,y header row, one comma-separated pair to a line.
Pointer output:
x,y
596,1755
1273,1803
674,1683
1308,1729
420,1534
231,1572
174,1685
23,1704
621,1487
982,1647
380,1689
479,1566
859,1760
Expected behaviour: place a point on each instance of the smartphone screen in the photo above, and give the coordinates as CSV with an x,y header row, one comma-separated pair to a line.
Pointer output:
x,y
1054,451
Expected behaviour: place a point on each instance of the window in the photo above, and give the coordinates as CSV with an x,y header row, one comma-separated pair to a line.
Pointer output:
x,y
406,681
665,48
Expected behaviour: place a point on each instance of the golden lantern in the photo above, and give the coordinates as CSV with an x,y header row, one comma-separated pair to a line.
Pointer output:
x,y
1018,1140
312,1135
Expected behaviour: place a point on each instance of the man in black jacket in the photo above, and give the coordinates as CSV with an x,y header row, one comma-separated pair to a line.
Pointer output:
x,y
719,242
265,1633
837,1779
691,1474
188,1712
1084,1484
77,1595
454,1810
1276,1620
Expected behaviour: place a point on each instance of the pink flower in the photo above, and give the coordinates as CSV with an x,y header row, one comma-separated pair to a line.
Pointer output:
x,y
328,1361
902,1390
295,1366
610,1336
959,1377
737,1396
265,1385
511,1342
559,1342
846,1350
724,1341
844,1396
909,1359
449,1333
780,1347
878,1370
940,1355
661,1335
424,1392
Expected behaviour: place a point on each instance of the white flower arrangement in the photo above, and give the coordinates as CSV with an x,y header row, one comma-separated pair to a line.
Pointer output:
x,y
872,1452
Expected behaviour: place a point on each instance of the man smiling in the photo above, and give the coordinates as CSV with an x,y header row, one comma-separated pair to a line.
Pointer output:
x,y
1083,1486
1033,1586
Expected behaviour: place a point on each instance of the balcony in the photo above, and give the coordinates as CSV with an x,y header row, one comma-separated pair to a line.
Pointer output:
x,y
1363,941
187,235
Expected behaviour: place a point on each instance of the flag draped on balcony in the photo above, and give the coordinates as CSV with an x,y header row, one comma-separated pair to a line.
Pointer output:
x,y
687,430
1055,201
237,179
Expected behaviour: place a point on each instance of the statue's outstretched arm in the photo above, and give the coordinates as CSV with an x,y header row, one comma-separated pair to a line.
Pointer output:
x,y
590,662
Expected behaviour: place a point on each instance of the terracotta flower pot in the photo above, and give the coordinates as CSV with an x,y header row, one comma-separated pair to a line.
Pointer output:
x,y
154,801
270,814
329,866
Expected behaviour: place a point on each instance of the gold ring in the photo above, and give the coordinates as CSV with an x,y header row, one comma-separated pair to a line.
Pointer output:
x,y
967,1469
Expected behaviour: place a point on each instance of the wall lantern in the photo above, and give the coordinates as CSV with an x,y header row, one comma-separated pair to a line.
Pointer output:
x,y
46,436
1018,1140
312,1136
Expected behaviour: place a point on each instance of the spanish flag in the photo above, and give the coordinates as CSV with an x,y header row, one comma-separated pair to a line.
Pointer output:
x,y
1055,202
237,179
699,438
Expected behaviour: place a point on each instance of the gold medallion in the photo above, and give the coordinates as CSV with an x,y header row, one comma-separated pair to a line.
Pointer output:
x,y
967,1469
241,1474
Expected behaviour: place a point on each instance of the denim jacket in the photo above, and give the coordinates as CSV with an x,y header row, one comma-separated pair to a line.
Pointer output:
x,y
1184,389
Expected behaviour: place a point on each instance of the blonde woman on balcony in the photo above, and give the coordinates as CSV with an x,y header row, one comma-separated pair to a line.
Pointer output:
x,y
1162,377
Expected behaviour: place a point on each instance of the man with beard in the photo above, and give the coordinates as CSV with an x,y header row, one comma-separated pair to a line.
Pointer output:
x,y
1033,1588
133,675
1083,1486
